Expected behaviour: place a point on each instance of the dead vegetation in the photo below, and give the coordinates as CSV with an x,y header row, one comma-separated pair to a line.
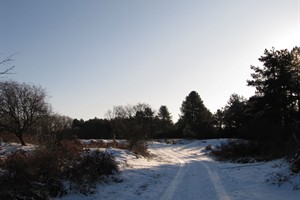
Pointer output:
x,y
44,172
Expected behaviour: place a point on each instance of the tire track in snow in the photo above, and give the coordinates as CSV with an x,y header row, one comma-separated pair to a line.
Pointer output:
x,y
216,181
170,191
185,167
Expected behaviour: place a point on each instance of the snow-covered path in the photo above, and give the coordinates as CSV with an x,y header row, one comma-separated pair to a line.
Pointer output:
x,y
197,176
184,171
193,178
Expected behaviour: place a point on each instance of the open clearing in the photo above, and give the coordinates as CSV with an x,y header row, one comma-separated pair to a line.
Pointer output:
x,y
184,171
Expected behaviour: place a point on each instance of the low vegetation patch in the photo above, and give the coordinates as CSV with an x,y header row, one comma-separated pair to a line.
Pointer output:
x,y
243,151
141,148
52,172
105,144
86,171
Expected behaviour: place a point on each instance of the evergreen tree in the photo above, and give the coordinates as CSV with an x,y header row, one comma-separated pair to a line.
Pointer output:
x,y
163,123
276,85
196,118
219,119
234,113
164,115
276,102
296,79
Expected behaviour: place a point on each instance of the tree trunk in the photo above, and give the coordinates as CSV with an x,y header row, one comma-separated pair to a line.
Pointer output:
x,y
20,136
114,140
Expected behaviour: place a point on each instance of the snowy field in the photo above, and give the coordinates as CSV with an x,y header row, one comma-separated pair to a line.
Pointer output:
x,y
184,171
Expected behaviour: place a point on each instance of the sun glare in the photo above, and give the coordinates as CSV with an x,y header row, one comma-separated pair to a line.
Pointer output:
x,y
288,41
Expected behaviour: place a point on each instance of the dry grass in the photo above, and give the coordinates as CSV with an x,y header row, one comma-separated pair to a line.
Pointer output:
x,y
141,148
40,173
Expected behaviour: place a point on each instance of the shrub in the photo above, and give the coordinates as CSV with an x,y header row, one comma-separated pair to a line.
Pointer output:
x,y
89,169
104,144
247,151
31,176
140,148
40,174
295,166
8,137
208,148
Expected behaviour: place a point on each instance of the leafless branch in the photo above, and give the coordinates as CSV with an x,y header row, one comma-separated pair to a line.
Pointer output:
x,y
7,71
5,61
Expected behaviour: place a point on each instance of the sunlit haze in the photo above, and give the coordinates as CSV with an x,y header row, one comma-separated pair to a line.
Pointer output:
x,y
93,55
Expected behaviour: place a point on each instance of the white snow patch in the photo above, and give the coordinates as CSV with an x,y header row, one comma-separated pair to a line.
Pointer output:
x,y
7,149
183,171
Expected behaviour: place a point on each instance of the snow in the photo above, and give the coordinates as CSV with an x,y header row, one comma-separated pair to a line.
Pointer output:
x,y
7,149
184,171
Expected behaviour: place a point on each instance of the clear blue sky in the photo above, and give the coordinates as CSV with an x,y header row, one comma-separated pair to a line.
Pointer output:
x,y
92,55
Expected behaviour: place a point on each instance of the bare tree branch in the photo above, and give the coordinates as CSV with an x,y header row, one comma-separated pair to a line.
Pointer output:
x,y
7,71
5,61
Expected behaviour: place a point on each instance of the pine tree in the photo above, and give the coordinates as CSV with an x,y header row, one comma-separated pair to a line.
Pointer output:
x,y
164,115
234,113
195,116
275,85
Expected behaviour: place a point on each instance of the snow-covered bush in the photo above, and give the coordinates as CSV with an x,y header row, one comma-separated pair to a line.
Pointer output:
x,y
34,175
40,174
87,170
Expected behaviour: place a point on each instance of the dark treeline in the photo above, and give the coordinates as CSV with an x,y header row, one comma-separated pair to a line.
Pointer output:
x,y
273,112
271,115
138,121
93,128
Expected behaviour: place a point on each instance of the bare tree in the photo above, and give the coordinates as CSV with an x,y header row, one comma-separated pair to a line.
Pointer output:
x,y
52,128
111,116
131,122
21,105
